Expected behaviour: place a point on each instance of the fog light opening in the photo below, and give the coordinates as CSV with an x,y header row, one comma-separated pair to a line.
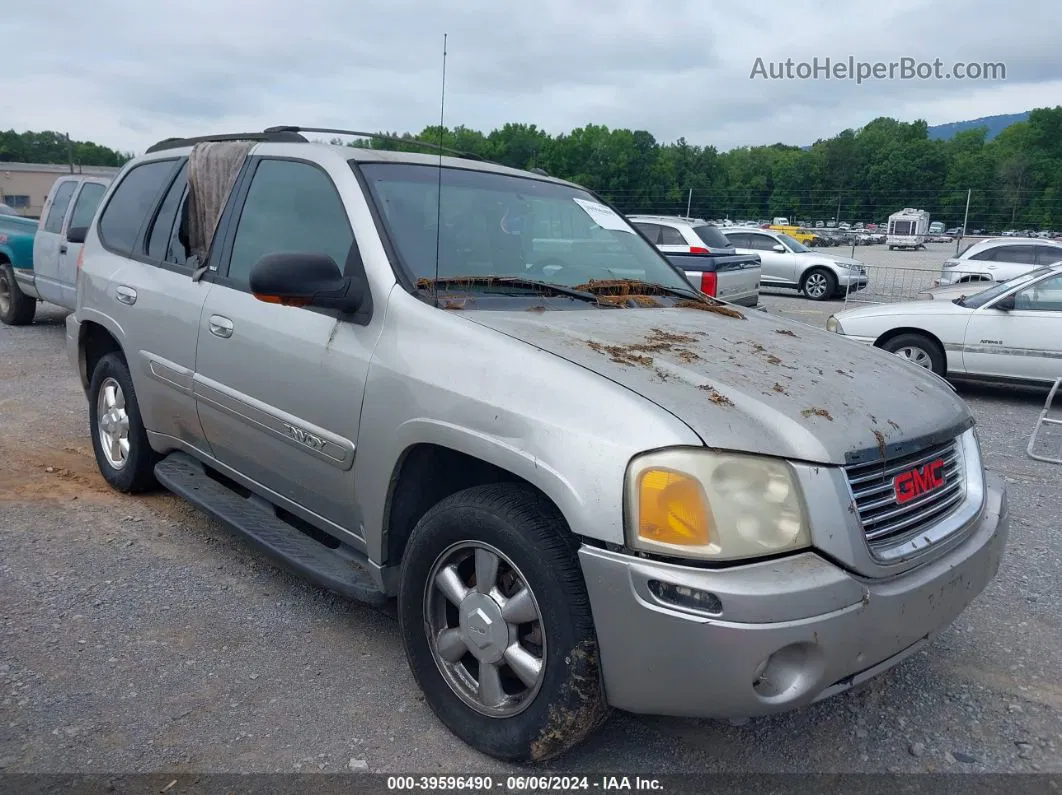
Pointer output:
x,y
686,597
789,673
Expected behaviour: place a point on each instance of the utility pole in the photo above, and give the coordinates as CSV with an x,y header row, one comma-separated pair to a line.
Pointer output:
x,y
689,202
70,152
965,218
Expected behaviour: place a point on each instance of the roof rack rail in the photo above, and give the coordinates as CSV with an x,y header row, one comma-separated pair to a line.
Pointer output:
x,y
379,136
276,135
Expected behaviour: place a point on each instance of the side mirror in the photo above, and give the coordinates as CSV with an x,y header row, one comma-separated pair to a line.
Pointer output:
x,y
305,279
76,234
779,248
1004,304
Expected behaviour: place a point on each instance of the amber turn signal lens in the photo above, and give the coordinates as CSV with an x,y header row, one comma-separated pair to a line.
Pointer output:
x,y
673,509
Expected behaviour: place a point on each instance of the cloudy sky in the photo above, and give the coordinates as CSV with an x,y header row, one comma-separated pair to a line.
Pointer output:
x,y
127,74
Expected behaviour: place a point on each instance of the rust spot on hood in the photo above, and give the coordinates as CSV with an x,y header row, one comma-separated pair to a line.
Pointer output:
x,y
715,396
817,412
622,354
881,443
726,311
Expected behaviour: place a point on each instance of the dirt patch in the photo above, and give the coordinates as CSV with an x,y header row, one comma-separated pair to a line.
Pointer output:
x,y
718,309
817,412
715,396
579,710
52,474
845,374
785,331
779,388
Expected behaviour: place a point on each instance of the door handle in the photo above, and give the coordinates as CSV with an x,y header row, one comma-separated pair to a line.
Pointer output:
x,y
62,248
220,326
125,295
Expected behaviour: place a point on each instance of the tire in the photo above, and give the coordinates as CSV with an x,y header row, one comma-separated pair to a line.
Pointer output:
x,y
111,387
920,350
818,284
16,308
565,703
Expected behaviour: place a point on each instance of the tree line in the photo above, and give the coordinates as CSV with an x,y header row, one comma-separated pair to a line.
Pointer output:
x,y
1015,179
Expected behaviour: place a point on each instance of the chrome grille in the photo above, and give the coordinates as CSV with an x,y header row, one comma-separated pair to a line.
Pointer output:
x,y
885,520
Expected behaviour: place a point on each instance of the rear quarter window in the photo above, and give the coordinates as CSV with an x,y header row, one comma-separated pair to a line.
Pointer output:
x,y
131,204
712,237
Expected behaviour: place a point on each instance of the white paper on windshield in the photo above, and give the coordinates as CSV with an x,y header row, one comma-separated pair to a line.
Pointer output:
x,y
603,216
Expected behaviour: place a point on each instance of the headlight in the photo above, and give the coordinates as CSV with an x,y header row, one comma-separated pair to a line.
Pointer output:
x,y
714,506
845,265
834,325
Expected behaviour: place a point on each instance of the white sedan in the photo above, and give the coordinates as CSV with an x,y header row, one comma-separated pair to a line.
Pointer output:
x,y
1009,332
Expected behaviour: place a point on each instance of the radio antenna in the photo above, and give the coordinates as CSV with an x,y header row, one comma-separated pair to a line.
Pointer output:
x,y
438,197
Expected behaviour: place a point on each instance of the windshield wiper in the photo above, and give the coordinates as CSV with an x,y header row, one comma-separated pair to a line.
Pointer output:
x,y
507,281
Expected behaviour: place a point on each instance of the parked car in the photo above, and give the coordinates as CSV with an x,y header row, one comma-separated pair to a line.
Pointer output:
x,y
787,263
999,259
577,499
16,260
734,278
1009,332
676,235
48,269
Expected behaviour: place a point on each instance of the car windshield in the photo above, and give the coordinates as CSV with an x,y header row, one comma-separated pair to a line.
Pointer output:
x,y
794,245
712,237
992,293
496,225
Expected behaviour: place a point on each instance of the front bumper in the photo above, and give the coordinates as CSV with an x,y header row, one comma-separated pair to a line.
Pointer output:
x,y
790,631
853,280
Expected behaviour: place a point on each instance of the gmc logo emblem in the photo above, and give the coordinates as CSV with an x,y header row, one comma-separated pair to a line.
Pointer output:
x,y
916,482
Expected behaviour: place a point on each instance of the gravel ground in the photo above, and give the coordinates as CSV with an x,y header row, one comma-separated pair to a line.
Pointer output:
x,y
137,636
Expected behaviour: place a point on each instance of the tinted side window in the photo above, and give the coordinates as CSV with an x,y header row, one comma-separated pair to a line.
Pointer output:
x,y
988,255
87,202
651,231
131,203
711,236
162,231
290,206
1018,254
54,221
737,240
1048,255
762,242
671,237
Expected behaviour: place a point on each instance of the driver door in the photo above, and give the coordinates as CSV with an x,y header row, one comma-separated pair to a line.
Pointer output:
x,y
1021,343
279,388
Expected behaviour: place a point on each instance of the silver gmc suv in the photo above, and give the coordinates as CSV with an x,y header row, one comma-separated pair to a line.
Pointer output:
x,y
478,390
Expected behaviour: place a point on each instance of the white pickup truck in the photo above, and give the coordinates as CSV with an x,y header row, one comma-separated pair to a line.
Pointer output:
x,y
70,205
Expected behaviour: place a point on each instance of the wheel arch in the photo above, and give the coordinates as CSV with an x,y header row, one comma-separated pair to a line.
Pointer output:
x,y
95,340
428,472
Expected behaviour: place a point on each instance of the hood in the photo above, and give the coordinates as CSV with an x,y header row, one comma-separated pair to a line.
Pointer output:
x,y
752,383
952,292
840,258
904,308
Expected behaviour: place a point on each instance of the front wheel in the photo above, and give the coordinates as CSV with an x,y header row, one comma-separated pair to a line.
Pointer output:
x,y
819,284
16,308
918,349
496,624
119,440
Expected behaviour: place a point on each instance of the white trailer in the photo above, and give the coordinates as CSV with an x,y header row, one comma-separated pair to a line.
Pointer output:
x,y
907,229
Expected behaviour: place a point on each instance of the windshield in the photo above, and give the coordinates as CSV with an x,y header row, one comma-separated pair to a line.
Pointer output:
x,y
495,225
992,293
794,245
712,237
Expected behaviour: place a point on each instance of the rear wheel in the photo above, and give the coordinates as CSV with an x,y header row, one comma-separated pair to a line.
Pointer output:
x,y
918,349
819,284
496,624
16,308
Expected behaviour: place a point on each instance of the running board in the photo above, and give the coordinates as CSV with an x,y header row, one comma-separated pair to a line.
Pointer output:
x,y
186,477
